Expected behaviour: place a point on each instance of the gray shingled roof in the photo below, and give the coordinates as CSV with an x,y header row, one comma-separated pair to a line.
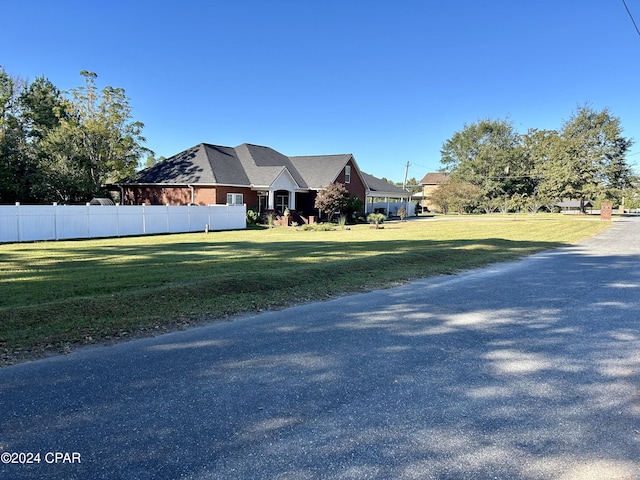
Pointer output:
x,y
264,164
245,164
320,170
382,188
250,165
202,164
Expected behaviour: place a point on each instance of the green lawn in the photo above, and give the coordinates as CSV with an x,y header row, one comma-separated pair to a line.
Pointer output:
x,y
54,295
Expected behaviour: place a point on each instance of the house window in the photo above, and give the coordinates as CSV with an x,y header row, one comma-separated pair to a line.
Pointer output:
x,y
234,199
347,174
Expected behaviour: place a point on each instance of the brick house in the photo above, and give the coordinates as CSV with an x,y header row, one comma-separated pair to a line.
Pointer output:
x,y
257,176
430,183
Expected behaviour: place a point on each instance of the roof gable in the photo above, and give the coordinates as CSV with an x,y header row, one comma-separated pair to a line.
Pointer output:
x,y
284,181
321,170
263,165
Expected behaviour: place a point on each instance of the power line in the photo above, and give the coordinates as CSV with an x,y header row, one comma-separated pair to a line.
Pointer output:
x,y
631,16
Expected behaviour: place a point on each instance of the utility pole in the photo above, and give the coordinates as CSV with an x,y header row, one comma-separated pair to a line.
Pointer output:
x,y
404,186
406,172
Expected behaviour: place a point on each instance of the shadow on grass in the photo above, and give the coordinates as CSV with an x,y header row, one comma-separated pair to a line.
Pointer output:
x,y
524,375
97,293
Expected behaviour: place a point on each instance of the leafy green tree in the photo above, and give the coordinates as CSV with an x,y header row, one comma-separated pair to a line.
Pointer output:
x,y
95,143
42,105
586,160
152,160
334,198
457,196
488,154
16,164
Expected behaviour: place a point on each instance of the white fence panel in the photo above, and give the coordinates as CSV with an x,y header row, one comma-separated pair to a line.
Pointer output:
x,y
37,223
130,220
237,217
56,222
72,221
9,223
156,219
103,222
178,219
200,218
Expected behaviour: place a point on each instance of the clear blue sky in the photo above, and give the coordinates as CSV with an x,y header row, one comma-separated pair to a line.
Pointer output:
x,y
387,80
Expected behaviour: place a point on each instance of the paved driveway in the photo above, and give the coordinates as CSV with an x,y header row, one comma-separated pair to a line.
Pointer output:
x,y
522,370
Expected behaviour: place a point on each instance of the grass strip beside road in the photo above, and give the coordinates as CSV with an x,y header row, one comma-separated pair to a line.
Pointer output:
x,y
57,295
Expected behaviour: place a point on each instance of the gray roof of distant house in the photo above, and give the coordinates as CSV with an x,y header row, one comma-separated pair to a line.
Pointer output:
x,y
434,178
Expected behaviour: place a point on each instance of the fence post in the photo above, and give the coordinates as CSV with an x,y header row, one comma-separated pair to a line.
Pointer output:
x,y
18,219
55,220
88,220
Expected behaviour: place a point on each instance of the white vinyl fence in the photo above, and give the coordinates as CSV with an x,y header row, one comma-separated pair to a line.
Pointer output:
x,y
24,223
391,208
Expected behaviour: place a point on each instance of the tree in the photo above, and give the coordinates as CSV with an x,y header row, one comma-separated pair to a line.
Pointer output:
x,y
151,160
43,106
95,143
488,154
402,213
456,196
16,163
334,198
586,160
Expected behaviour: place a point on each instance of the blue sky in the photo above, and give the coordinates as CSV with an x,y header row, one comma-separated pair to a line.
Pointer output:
x,y
387,80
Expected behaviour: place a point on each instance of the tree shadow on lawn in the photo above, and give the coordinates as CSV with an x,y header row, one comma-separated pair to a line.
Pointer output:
x,y
514,371
108,269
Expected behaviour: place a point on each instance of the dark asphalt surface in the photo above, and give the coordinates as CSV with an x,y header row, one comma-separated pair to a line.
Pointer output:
x,y
523,370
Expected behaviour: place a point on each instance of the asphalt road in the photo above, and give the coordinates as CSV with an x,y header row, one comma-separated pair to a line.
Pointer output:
x,y
522,370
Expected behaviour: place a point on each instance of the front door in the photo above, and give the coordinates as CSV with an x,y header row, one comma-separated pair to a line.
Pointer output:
x,y
263,203
282,201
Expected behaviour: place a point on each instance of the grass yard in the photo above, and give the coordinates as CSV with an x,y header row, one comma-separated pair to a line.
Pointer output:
x,y
56,295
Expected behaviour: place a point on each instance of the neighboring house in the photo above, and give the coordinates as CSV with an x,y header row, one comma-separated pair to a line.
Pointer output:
x,y
430,183
257,176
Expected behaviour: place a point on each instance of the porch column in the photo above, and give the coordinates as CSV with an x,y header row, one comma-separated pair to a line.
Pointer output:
x,y
292,200
271,205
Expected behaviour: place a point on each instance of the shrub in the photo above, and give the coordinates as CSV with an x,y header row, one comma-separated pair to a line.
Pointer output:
x,y
319,227
376,218
252,216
